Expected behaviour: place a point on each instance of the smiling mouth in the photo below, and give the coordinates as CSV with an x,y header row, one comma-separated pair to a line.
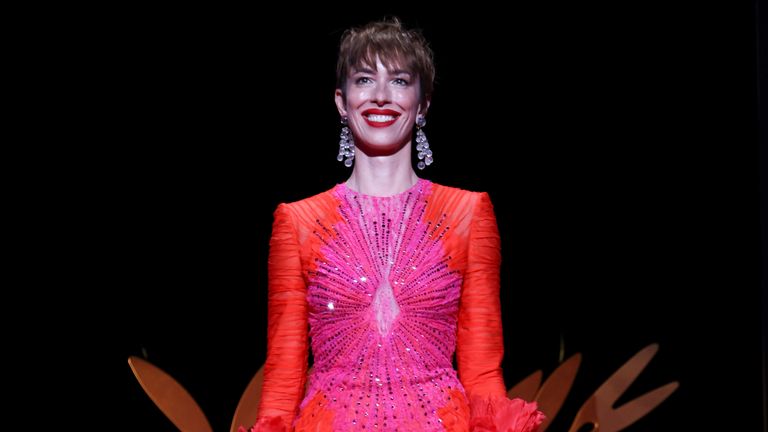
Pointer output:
x,y
380,118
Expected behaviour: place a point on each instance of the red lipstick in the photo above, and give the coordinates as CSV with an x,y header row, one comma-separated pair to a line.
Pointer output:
x,y
380,112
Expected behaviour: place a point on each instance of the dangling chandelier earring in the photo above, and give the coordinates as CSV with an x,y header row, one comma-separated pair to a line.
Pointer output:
x,y
346,145
422,145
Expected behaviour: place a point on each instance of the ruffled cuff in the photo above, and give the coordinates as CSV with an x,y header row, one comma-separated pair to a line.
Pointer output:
x,y
266,424
501,414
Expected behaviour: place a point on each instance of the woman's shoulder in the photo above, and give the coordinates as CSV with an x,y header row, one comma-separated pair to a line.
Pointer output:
x,y
455,189
459,195
312,207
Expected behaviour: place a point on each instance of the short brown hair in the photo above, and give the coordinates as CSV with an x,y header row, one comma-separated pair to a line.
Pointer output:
x,y
394,45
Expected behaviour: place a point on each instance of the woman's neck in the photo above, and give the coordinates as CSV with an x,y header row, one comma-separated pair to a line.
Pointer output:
x,y
383,175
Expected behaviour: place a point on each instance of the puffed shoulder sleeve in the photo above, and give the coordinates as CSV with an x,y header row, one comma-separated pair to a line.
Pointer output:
x,y
285,370
480,339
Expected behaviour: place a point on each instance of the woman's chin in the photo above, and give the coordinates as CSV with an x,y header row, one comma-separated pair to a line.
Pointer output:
x,y
379,149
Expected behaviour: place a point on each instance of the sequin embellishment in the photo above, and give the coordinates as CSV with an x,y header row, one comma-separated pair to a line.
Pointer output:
x,y
383,305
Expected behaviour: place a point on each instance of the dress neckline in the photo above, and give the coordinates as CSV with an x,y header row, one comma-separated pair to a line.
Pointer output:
x,y
342,187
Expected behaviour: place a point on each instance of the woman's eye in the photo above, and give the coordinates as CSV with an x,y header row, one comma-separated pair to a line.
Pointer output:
x,y
401,81
363,80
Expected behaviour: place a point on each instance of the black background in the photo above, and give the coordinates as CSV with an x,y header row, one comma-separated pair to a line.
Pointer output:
x,y
618,144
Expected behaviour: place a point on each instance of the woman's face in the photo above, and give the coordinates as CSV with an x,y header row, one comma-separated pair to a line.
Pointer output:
x,y
381,106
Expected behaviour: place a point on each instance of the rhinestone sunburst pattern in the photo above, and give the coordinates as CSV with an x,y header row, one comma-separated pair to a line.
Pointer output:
x,y
383,304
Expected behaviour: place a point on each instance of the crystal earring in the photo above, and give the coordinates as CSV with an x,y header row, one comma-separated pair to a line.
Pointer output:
x,y
346,144
422,145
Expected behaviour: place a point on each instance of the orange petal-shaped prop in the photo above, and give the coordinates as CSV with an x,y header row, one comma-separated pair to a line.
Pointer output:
x,y
598,409
526,389
556,388
246,412
172,399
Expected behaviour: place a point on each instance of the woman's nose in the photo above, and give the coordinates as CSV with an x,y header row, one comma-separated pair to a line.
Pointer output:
x,y
381,95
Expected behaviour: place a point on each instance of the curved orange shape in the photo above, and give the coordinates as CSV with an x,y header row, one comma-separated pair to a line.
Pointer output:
x,y
599,409
246,412
552,394
527,388
172,399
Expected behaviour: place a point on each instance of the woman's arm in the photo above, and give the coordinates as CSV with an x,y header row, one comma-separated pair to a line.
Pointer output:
x,y
285,370
480,344
480,340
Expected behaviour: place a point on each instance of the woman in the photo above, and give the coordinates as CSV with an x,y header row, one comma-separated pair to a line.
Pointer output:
x,y
387,273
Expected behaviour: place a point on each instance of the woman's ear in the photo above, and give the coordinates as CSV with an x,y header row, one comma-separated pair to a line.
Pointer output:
x,y
424,108
340,105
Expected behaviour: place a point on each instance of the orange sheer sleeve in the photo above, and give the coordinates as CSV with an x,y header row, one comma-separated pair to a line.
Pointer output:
x,y
480,339
285,370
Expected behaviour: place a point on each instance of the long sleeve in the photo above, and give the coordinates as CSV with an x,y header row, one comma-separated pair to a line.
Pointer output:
x,y
285,370
480,339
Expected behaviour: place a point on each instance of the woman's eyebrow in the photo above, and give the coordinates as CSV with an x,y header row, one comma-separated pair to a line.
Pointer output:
x,y
366,70
400,72
363,70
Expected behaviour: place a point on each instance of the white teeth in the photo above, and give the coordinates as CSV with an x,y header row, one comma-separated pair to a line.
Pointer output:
x,y
380,118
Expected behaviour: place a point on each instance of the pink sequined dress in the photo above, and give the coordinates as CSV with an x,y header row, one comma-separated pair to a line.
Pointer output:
x,y
386,289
